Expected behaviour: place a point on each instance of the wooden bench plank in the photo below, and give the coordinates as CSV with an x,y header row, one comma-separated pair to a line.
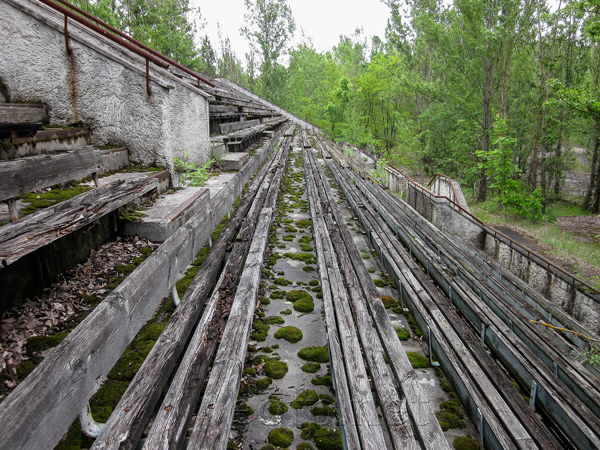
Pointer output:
x,y
45,226
236,126
23,175
21,117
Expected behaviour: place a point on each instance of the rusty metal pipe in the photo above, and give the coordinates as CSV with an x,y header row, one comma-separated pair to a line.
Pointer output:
x,y
137,43
139,51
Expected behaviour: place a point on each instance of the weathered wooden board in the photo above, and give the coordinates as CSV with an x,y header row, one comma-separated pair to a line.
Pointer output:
x,y
214,418
236,126
45,226
22,175
21,117
171,422
128,421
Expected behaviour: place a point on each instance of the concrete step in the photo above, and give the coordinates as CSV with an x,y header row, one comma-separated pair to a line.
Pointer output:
x,y
44,141
168,213
234,161
115,159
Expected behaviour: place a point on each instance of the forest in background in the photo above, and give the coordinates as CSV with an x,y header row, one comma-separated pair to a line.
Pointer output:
x,y
494,93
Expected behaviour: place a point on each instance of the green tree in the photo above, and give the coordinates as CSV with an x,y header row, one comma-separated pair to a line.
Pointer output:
x,y
270,27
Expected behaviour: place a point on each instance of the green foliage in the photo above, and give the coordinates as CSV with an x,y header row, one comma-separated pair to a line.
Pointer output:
x,y
191,173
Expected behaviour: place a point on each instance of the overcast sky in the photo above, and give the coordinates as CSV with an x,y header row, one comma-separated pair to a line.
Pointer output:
x,y
322,20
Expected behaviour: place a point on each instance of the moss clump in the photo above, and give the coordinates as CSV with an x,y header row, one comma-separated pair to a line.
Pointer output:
x,y
288,237
267,350
281,437
277,295
323,411
24,369
371,270
366,256
309,429
380,283
403,333
306,248
389,302
418,361
290,334
231,445
40,343
263,383
328,439
287,312
452,406
244,409
313,283
282,281
273,320
265,301
125,269
314,354
305,239
304,305
277,408
465,443
276,369
51,197
296,295
301,256
305,446
146,251
413,326
250,371
308,269
151,331
448,420
261,331
322,381
305,398
291,229
311,367
327,399
303,223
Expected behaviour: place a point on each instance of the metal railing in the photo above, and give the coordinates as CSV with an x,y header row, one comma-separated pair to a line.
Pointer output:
x,y
79,15
569,278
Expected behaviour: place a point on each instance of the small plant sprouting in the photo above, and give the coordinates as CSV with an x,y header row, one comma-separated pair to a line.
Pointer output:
x,y
192,173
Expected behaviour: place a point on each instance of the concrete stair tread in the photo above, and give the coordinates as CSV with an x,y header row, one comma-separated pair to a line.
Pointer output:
x,y
218,182
234,161
168,213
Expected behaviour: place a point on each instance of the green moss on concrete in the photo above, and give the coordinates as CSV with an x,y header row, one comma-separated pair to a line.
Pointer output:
x,y
305,239
300,256
418,361
306,248
389,302
465,443
277,408
448,420
309,429
311,367
290,334
286,312
244,409
261,331
273,320
327,399
276,369
413,326
297,294
304,305
281,437
308,269
263,383
277,295
380,283
24,369
403,333
303,223
282,281
250,371
322,381
305,398
314,354
323,411
328,439
313,283
305,446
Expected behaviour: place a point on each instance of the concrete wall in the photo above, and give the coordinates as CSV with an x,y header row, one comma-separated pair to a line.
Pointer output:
x,y
101,85
560,288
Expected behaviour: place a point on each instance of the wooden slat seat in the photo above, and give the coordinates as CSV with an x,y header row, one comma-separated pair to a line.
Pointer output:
x,y
20,117
43,227
23,175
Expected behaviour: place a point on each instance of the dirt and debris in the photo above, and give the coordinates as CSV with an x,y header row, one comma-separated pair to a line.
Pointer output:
x,y
65,303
